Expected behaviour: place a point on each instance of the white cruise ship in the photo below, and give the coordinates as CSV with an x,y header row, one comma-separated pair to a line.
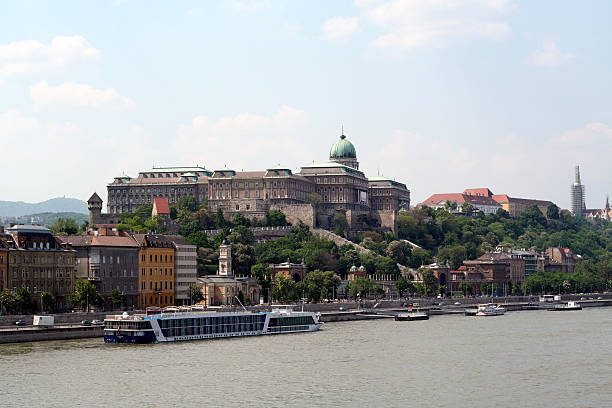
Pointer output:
x,y
172,326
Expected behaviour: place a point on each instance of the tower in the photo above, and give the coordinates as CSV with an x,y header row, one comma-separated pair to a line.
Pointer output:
x,y
578,206
225,258
94,205
343,152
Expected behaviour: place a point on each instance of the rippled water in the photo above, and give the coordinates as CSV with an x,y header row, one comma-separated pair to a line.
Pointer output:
x,y
522,359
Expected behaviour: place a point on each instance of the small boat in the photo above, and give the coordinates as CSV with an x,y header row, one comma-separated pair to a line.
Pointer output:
x,y
567,306
490,309
415,315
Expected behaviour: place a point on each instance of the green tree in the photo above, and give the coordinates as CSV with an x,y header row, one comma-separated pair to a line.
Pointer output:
x,y
117,298
241,235
199,239
276,218
465,287
283,288
220,222
24,300
399,251
467,208
241,220
402,284
85,293
552,212
194,293
8,301
47,301
263,273
64,226
184,216
360,287
187,203
430,282
340,223
318,284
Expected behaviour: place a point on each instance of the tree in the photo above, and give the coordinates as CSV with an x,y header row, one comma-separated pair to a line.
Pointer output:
x,y
467,208
552,212
187,203
276,218
117,298
283,288
47,301
184,216
399,251
263,273
85,293
318,284
194,292
199,239
340,223
8,301
402,284
360,287
241,220
63,226
241,235
24,299
221,223
430,282
465,287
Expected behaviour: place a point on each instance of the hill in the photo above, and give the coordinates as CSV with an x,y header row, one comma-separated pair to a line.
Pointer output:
x,y
54,205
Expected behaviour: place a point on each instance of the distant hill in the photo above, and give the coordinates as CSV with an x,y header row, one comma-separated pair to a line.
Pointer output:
x,y
49,219
54,205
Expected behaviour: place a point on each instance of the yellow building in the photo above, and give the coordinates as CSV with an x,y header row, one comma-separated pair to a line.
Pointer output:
x,y
516,206
156,270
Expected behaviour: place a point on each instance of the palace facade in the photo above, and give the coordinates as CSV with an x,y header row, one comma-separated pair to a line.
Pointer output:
x,y
335,185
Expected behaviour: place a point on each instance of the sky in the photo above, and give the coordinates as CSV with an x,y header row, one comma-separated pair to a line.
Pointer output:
x,y
442,95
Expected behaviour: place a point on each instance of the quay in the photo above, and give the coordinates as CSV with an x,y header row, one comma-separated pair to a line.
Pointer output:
x,y
70,328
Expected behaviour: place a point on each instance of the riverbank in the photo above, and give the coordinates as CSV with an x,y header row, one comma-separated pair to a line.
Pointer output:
x,y
70,328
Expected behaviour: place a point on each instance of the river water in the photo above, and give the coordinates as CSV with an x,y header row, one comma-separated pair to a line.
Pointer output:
x,y
521,359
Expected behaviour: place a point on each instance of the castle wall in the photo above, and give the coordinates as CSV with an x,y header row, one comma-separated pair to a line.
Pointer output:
x,y
297,212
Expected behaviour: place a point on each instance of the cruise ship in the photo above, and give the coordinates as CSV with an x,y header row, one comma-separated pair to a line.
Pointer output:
x,y
177,326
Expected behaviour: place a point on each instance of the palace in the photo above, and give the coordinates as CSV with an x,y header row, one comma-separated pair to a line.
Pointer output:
x,y
314,195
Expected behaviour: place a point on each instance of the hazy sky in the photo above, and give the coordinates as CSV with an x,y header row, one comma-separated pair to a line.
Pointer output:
x,y
442,95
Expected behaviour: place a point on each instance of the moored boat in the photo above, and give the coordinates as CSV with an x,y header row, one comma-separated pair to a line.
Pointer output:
x,y
490,309
415,315
168,327
567,306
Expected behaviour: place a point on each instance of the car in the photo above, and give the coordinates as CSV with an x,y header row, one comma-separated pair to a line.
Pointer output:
x,y
86,323
20,323
599,297
97,322
342,308
457,303
582,298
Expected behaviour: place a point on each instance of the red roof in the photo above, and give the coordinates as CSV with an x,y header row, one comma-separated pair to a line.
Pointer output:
x,y
485,192
160,206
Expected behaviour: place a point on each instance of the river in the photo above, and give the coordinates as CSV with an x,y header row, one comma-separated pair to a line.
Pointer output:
x,y
534,359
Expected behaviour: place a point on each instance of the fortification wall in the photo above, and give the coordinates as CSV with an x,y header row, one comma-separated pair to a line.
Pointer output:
x,y
297,212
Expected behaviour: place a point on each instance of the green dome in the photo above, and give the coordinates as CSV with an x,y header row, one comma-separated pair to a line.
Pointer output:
x,y
342,149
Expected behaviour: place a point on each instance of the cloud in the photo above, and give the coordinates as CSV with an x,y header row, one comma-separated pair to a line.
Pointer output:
x,y
518,165
249,6
76,95
28,56
246,140
340,27
549,56
406,24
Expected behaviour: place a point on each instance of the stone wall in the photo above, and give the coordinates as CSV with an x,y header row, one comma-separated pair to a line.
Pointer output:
x,y
297,212
386,218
